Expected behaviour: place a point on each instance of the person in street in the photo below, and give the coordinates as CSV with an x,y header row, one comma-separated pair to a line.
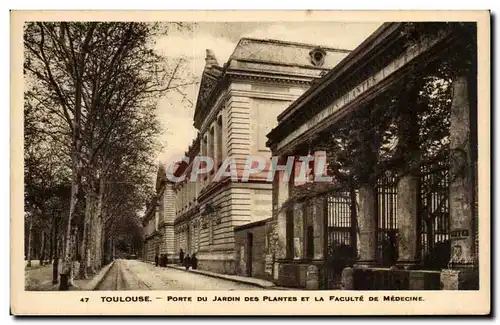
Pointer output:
x,y
187,262
194,261
156,259
181,257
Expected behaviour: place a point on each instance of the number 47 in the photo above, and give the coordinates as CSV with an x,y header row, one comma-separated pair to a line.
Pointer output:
x,y
85,299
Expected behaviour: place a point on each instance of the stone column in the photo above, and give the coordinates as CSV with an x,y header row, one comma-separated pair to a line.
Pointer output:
x,y
461,273
367,226
461,178
318,226
408,185
407,218
280,194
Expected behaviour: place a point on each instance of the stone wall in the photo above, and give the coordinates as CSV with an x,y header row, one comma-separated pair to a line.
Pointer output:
x,y
390,279
260,259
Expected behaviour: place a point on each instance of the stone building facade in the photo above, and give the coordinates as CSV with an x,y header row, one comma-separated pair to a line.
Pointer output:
x,y
237,106
404,222
158,221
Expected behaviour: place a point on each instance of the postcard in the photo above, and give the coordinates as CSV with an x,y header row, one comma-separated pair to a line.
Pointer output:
x,y
250,163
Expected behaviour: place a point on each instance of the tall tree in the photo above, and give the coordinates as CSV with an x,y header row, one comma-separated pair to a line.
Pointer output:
x,y
89,78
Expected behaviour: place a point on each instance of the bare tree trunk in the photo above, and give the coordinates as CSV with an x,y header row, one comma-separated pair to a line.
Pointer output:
x,y
76,162
30,234
92,247
51,243
98,224
83,244
55,252
74,245
41,257
66,262
103,243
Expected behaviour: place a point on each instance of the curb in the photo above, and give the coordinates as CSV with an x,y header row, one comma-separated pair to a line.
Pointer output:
x,y
96,281
218,276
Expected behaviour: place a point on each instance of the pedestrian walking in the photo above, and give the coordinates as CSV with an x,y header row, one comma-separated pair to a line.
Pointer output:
x,y
156,259
164,260
194,261
187,262
181,257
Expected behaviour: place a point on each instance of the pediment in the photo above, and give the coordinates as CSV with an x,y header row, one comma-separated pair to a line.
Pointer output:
x,y
209,81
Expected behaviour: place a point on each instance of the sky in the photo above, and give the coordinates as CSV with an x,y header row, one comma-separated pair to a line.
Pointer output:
x,y
176,110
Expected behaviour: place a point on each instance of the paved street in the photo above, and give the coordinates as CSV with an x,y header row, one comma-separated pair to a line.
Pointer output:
x,y
137,275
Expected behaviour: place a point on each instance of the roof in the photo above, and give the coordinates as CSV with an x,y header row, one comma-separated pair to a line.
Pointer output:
x,y
284,53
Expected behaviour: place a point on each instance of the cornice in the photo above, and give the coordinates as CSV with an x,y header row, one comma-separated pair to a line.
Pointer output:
x,y
152,235
271,78
212,188
186,215
165,224
263,94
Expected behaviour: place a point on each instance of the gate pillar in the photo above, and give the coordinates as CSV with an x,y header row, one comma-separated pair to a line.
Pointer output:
x,y
407,217
367,226
462,232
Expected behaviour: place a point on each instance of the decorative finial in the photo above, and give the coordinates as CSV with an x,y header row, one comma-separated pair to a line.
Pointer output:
x,y
210,59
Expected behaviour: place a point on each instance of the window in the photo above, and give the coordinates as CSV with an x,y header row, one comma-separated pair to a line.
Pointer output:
x,y
218,156
309,227
204,152
211,145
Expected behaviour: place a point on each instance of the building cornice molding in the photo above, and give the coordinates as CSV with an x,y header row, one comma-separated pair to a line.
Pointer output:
x,y
153,235
164,224
275,78
291,65
212,189
263,94
187,215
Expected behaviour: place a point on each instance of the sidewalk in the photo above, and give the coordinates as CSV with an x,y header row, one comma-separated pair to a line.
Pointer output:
x,y
236,278
40,279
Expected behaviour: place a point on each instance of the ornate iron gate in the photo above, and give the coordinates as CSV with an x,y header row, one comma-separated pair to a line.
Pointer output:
x,y
387,227
341,235
435,215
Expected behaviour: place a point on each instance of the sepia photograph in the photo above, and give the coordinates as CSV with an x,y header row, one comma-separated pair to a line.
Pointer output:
x,y
326,156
